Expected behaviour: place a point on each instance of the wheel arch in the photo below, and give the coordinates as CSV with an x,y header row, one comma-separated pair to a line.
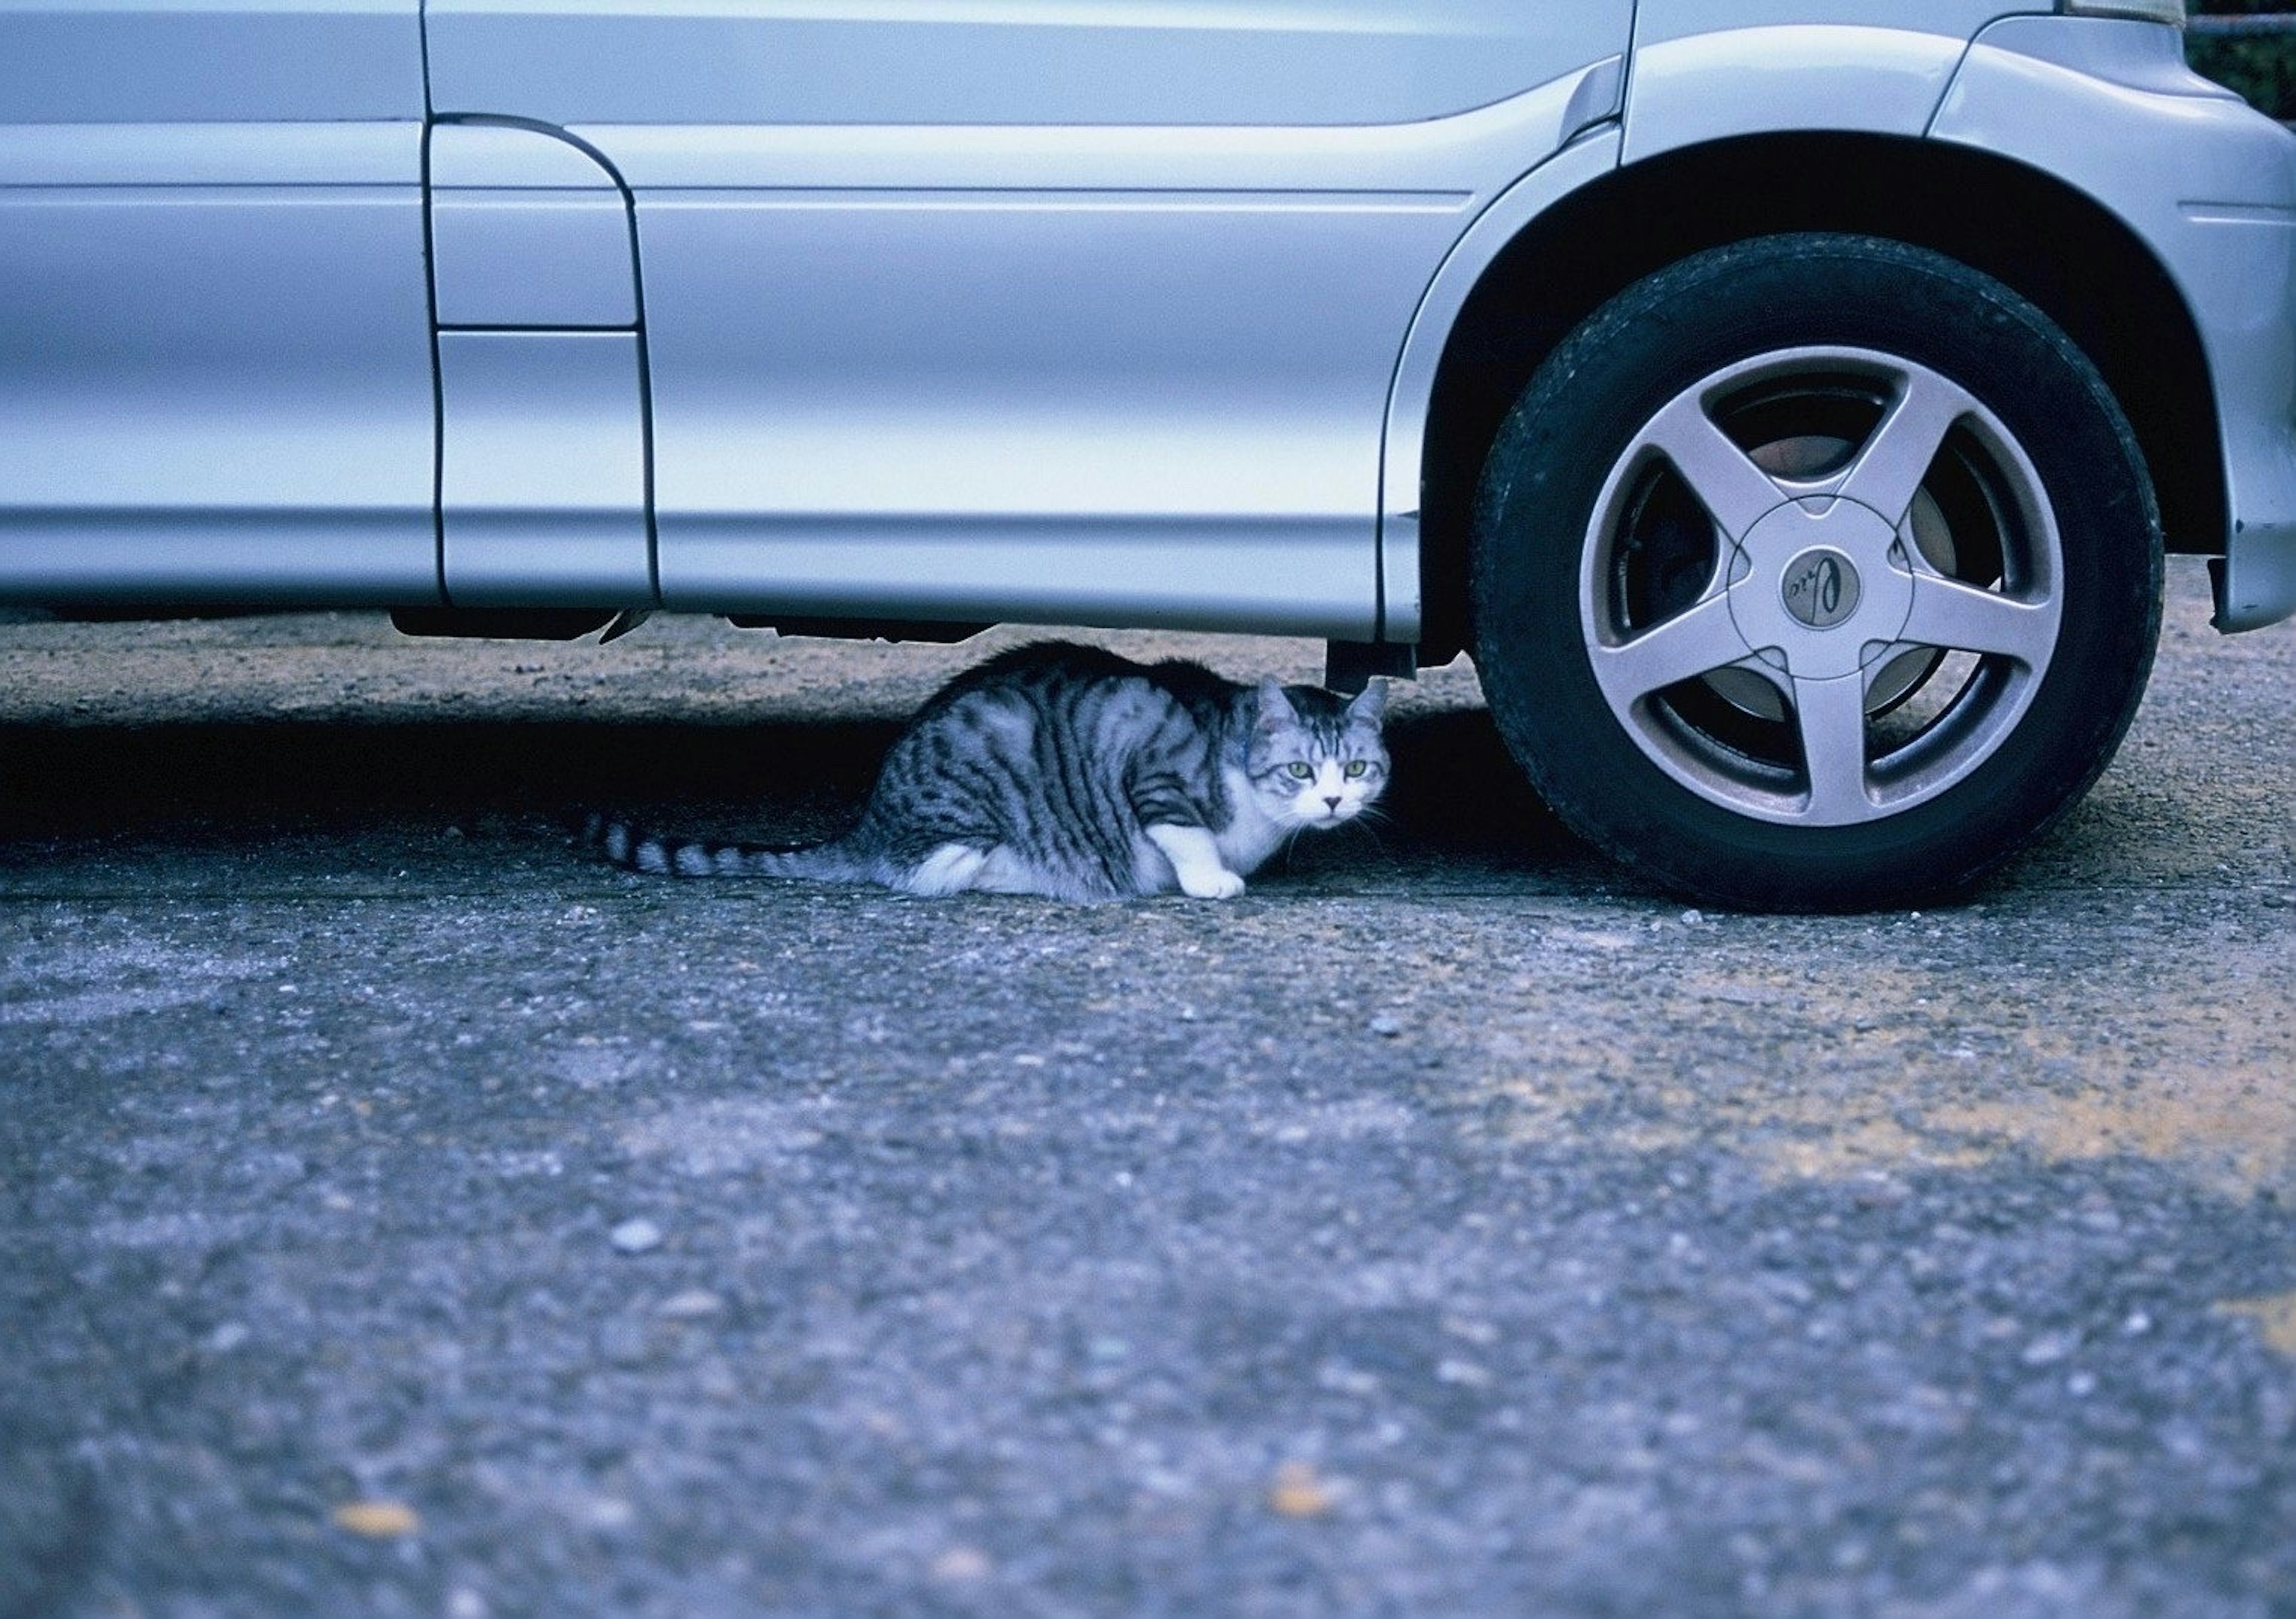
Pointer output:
x,y
2073,258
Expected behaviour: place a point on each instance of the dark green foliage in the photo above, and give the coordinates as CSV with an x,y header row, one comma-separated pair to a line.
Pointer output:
x,y
2260,66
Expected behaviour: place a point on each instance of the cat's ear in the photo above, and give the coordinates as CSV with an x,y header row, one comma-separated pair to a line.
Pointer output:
x,y
1276,710
1369,704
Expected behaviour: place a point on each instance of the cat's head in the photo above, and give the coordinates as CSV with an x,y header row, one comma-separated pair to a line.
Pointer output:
x,y
1314,758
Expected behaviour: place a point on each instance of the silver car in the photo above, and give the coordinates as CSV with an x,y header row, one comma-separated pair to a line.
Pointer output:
x,y
1786,402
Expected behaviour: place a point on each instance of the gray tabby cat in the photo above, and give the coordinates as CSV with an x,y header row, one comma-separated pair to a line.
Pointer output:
x,y
1070,772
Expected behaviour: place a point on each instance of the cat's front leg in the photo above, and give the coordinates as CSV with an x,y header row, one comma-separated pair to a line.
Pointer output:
x,y
1195,860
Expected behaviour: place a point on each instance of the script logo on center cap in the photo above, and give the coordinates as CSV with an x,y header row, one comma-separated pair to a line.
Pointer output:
x,y
1821,588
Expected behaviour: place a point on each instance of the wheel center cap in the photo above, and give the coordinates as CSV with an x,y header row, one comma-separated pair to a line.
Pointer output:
x,y
1816,583
1821,588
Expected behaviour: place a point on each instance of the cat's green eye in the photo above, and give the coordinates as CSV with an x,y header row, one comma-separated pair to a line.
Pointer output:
x,y
1355,767
1301,770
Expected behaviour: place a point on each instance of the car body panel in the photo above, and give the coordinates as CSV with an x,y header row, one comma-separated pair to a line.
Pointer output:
x,y
210,61
260,426
1657,21
543,466
1126,373
2210,185
561,258
1712,86
216,377
543,474
1411,401
1189,458
1074,63
1110,311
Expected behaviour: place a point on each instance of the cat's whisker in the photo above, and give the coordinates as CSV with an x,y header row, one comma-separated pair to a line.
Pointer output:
x,y
1377,842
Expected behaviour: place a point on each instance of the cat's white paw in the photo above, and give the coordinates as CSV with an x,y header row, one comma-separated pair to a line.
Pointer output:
x,y
1218,883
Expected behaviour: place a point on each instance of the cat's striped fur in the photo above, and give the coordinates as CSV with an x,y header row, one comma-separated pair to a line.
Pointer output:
x,y
1068,770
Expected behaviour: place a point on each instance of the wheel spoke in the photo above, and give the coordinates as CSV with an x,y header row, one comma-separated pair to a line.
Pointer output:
x,y
1962,618
1735,492
1753,477
1689,643
1830,715
1889,471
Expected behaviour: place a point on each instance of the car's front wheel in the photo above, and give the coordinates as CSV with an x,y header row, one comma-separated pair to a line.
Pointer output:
x,y
1815,571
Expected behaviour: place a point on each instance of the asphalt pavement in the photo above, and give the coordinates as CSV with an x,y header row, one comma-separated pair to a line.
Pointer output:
x,y
406,1214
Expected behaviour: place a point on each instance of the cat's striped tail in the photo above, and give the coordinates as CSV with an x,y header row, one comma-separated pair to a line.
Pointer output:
x,y
634,849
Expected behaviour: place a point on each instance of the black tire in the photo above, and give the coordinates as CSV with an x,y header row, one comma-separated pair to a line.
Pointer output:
x,y
1896,653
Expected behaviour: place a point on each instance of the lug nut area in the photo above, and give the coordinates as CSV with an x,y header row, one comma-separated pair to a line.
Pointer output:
x,y
1820,582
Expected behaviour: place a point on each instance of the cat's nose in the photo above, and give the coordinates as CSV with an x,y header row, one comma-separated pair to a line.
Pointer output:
x,y
1333,800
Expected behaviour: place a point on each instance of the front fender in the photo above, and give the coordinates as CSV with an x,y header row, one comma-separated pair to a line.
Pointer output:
x,y
2209,186
1770,80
